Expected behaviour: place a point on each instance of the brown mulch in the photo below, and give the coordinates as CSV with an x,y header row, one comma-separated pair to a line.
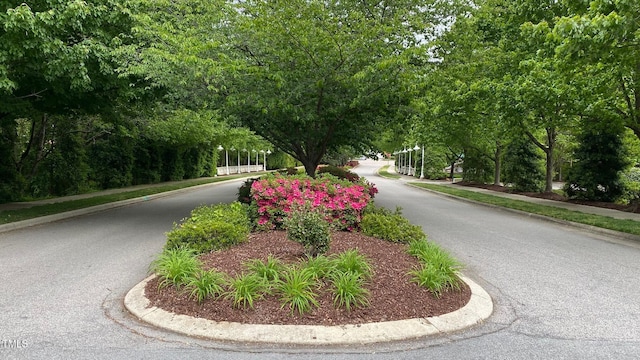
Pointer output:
x,y
392,295
633,208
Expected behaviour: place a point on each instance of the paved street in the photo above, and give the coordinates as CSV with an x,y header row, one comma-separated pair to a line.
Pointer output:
x,y
559,293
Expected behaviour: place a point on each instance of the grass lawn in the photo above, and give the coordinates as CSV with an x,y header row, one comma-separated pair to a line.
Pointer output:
x,y
9,216
605,222
384,172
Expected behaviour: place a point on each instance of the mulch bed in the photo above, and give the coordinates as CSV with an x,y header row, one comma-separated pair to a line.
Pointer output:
x,y
392,295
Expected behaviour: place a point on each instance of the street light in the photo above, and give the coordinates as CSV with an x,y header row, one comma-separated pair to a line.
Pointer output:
x,y
226,161
422,164
404,161
265,159
410,150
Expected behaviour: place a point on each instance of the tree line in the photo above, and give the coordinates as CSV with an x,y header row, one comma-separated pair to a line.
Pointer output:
x,y
528,92
116,92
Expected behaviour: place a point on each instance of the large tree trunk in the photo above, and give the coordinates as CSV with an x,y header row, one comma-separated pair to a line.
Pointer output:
x,y
551,145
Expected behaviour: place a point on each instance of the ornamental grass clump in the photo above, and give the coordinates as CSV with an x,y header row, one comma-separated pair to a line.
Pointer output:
x,y
438,270
319,267
348,290
245,289
269,270
175,266
351,261
205,284
308,227
296,289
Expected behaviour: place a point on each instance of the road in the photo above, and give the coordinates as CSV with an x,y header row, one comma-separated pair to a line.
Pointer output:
x,y
559,293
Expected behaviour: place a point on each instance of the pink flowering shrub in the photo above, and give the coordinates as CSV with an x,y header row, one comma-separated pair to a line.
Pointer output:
x,y
342,201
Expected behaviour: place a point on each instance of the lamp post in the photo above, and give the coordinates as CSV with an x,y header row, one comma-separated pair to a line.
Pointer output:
x,y
410,163
226,157
238,164
265,159
404,161
422,164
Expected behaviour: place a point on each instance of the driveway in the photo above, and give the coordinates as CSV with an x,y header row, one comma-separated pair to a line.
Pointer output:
x,y
558,292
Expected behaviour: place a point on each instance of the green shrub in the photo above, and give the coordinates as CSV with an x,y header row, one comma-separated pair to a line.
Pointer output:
x,y
338,172
211,228
308,227
596,175
523,166
175,266
394,228
244,191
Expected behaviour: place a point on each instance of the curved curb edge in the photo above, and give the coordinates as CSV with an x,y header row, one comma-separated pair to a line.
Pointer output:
x,y
479,308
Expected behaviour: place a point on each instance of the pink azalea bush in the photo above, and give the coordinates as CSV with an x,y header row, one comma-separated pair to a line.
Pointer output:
x,y
341,201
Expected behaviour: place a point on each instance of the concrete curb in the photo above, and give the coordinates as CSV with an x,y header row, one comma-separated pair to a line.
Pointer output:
x,y
479,308
590,228
94,209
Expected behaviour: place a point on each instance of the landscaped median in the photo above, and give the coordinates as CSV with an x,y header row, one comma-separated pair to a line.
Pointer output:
x,y
305,254
619,225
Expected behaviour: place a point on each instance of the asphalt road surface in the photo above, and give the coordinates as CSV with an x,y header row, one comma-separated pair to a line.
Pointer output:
x,y
559,293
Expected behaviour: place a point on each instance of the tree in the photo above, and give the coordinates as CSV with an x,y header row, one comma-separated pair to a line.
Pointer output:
x,y
600,162
601,40
55,58
310,76
522,166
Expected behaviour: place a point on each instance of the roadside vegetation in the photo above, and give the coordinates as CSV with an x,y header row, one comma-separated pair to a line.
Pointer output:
x,y
625,226
9,216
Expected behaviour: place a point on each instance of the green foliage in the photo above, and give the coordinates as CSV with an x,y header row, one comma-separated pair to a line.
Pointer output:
x,y
522,167
244,191
351,261
477,167
269,270
205,284
296,290
391,227
176,266
342,74
308,227
631,181
596,175
349,290
438,270
338,172
319,266
211,228
245,289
